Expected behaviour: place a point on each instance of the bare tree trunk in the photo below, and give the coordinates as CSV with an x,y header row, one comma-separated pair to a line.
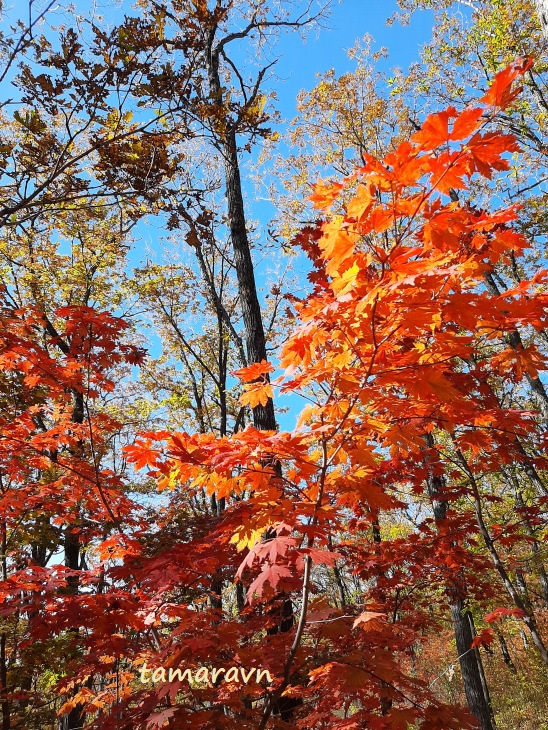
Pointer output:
x,y
523,604
537,562
255,340
504,649
471,667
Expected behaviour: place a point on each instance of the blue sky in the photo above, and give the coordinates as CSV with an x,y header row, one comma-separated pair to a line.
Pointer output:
x,y
350,20
299,65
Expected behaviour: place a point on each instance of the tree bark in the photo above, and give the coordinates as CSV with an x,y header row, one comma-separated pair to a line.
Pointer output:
x,y
471,667
535,550
504,650
263,416
255,340
522,604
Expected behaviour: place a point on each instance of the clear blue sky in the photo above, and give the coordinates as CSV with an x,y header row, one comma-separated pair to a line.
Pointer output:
x,y
350,20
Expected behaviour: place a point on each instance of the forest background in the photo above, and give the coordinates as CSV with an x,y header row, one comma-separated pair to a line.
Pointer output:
x,y
384,558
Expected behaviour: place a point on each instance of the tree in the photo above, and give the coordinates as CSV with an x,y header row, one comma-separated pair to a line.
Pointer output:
x,y
413,491
220,106
51,470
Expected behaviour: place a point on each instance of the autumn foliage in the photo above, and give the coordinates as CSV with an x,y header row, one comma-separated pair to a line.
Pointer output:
x,y
398,354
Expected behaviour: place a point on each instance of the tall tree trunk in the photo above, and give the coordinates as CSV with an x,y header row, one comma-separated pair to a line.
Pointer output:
x,y
475,688
263,416
255,340
523,604
504,649
537,562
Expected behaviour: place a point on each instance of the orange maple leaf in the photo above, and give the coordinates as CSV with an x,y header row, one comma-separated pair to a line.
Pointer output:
x,y
254,371
500,92
257,394
325,193
369,620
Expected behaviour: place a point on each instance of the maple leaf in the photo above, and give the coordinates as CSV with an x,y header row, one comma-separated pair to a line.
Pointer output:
x,y
269,550
341,285
500,92
256,394
485,152
434,130
271,575
439,384
361,202
320,557
254,371
370,620
501,612
325,193
466,123
118,546
141,454
485,638
338,243
246,538
527,360
157,720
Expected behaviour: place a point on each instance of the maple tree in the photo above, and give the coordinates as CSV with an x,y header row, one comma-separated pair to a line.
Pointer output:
x,y
411,495
52,474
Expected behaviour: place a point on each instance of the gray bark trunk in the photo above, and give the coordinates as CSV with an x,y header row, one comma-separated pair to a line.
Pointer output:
x,y
522,604
255,340
471,667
